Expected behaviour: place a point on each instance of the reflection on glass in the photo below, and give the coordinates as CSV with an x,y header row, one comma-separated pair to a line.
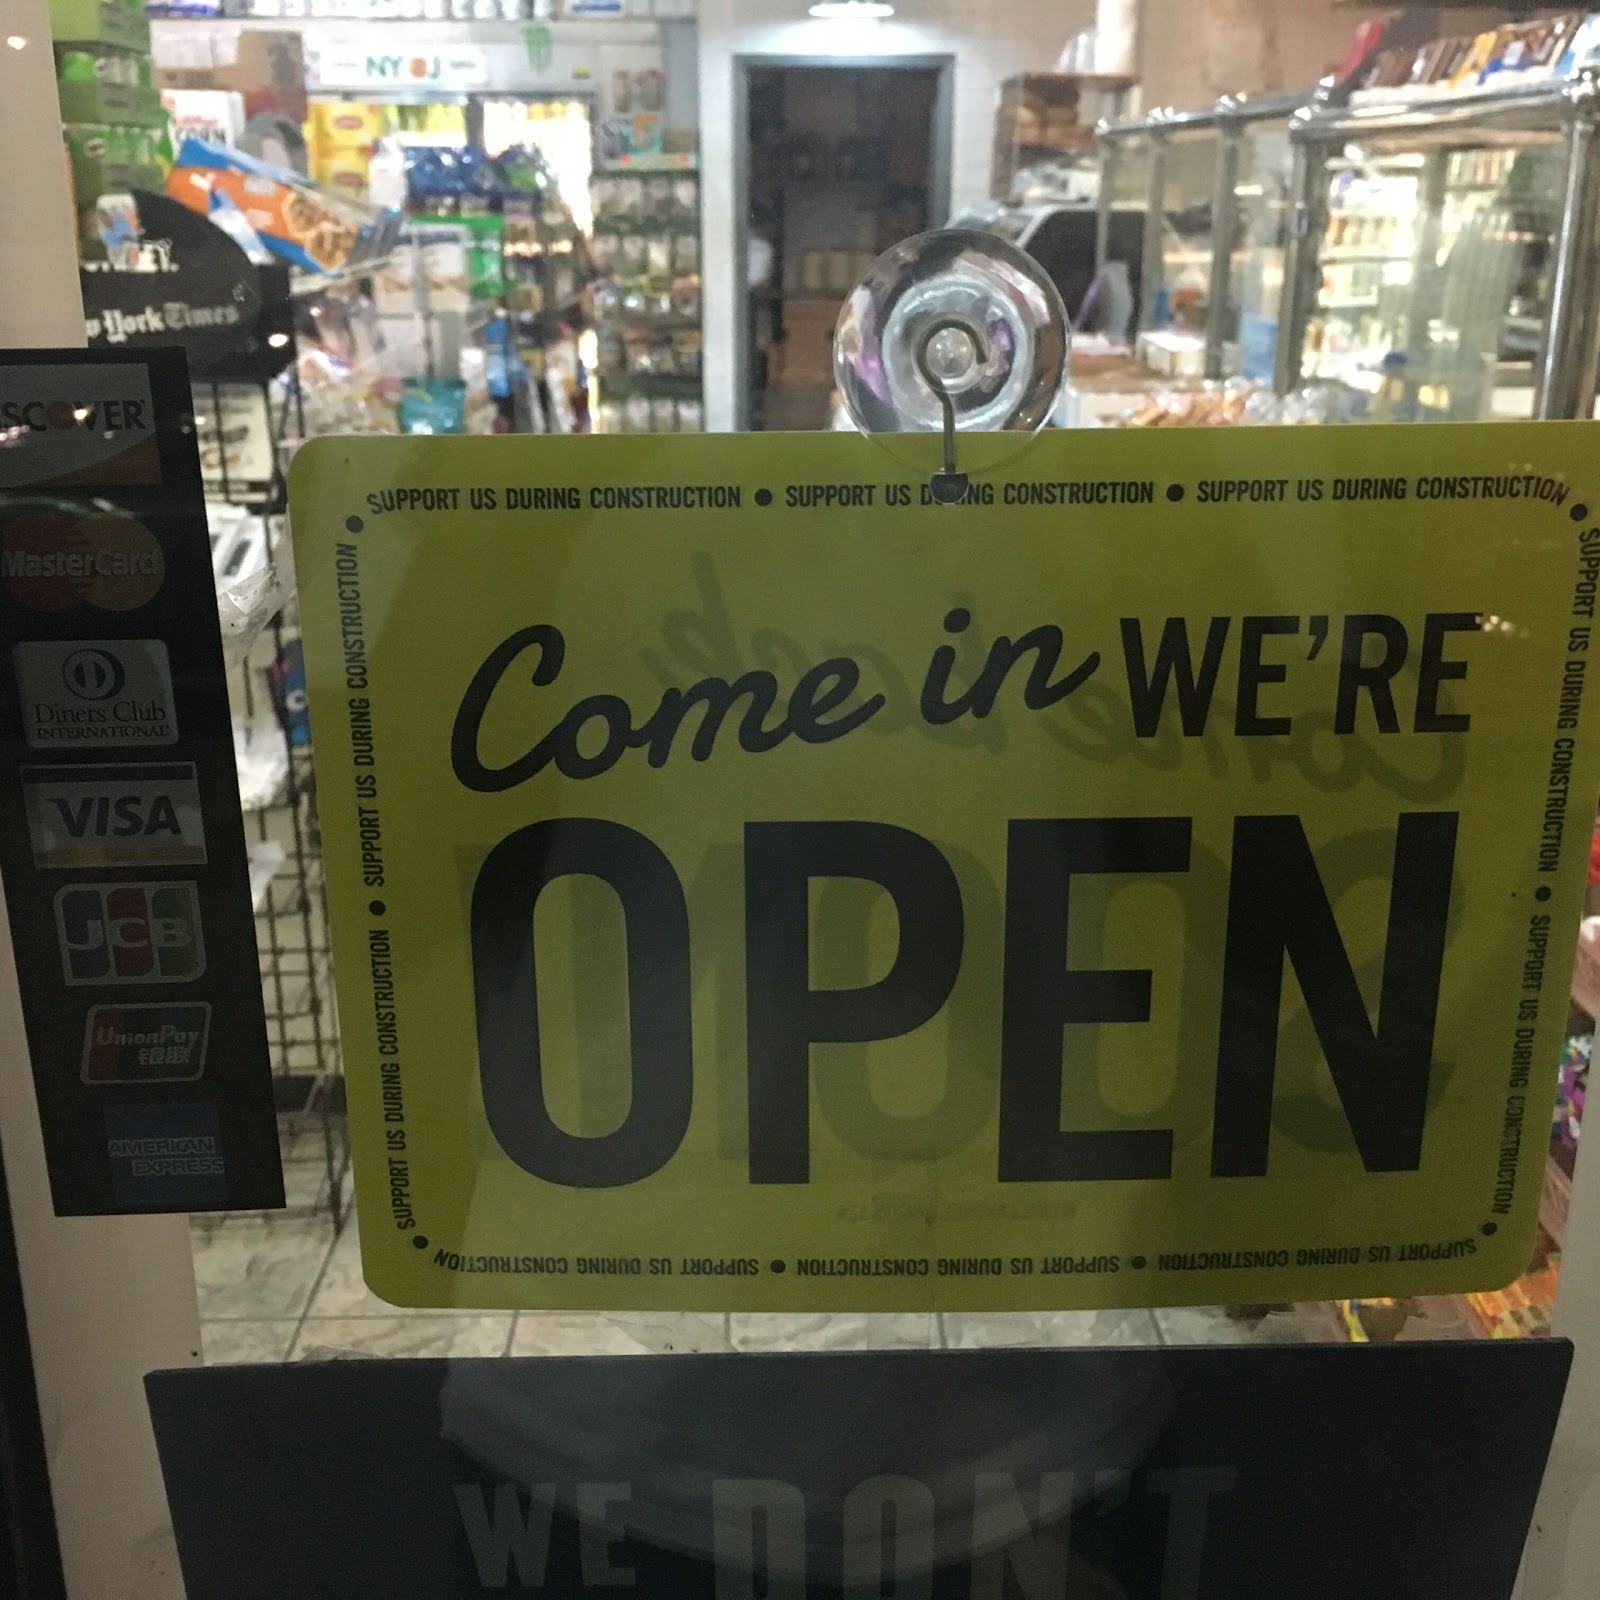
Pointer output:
x,y
1261,193
1183,297
968,309
1435,276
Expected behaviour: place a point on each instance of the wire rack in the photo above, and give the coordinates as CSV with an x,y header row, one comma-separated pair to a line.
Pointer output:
x,y
288,886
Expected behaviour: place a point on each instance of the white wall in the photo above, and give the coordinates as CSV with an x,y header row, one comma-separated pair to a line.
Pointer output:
x,y
990,40
1194,51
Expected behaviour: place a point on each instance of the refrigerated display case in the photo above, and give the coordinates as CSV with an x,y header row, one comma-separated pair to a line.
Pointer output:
x,y
1443,262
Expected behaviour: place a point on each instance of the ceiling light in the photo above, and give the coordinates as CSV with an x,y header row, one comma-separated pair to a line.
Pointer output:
x,y
852,10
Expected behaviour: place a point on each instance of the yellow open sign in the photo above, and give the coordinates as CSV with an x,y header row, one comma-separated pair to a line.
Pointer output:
x,y
1149,881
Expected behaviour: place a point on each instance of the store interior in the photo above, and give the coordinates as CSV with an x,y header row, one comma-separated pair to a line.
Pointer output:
x,y
843,163
643,217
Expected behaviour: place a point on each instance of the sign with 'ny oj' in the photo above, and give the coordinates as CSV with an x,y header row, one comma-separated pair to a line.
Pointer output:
x,y
1151,880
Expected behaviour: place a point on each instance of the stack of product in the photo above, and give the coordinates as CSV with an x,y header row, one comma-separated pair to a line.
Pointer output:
x,y
348,143
1037,119
522,266
341,136
116,126
546,264
547,272
1519,52
364,10
648,302
461,187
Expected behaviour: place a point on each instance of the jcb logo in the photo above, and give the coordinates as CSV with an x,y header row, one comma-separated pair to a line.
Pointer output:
x,y
130,933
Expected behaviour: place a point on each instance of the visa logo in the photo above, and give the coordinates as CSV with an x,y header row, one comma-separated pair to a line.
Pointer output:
x,y
130,933
121,818
124,815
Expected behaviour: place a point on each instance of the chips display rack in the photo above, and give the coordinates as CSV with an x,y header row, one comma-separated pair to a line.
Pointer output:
x,y
282,829
291,914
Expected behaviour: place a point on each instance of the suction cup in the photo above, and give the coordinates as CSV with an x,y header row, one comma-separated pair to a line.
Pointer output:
x,y
952,321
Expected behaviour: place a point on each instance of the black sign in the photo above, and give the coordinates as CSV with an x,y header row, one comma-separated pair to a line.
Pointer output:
x,y
121,838
1317,1473
173,277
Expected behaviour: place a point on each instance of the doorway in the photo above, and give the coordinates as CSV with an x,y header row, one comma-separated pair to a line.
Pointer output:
x,y
840,160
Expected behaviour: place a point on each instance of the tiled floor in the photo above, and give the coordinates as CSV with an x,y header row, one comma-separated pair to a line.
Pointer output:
x,y
282,1287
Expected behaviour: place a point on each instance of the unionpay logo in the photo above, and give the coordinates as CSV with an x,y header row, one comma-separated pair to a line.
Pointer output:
x,y
112,933
142,1043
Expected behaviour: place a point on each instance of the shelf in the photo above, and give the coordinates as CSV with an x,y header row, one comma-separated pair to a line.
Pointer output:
x,y
1083,140
647,386
1064,80
75,22
445,33
832,184
303,283
663,221
652,324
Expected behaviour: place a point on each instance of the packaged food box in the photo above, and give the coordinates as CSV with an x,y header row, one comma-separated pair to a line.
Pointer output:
x,y
104,156
311,228
213,116
344,170
116,22
345,124
97,84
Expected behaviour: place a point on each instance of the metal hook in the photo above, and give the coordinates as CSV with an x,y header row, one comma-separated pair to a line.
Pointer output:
x,y
948,487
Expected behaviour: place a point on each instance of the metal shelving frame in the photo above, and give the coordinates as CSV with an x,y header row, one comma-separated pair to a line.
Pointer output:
x,y
1321,123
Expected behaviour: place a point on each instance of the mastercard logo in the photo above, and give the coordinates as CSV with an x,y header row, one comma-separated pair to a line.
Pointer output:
x,y
52,561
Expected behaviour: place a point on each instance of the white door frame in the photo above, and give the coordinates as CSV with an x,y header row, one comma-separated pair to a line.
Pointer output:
x,y
108,1298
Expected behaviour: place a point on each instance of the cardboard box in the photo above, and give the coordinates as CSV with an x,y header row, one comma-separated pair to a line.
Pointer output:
x,y
114,22
125,105
809,328
267,68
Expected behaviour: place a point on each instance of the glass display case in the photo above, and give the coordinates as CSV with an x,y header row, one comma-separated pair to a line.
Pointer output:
x,y
1165,165
1212,273
1434,275
1190,149
1445,266
1255,172
1127,166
